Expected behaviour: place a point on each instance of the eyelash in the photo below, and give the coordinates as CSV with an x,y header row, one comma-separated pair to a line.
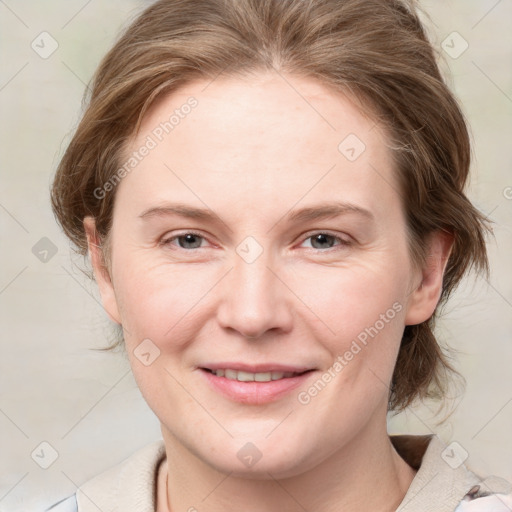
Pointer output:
x,y
342,242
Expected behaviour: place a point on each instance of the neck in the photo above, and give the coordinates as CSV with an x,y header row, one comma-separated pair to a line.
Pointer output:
x,y
366,474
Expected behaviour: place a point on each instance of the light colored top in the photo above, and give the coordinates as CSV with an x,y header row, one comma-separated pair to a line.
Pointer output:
x,y
442,482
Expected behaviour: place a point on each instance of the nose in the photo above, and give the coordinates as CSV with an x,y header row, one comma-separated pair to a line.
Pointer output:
x,y
254,299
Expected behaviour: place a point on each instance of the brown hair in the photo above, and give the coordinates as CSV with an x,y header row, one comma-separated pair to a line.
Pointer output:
x,y
374,50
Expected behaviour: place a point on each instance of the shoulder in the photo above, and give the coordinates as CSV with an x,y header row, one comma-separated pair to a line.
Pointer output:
x,y
128,486
443,483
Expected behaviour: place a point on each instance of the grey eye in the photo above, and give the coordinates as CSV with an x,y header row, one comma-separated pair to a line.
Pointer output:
x,y
189,241
323,241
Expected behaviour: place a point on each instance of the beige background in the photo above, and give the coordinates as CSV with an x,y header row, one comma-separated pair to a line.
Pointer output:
x,y
85,404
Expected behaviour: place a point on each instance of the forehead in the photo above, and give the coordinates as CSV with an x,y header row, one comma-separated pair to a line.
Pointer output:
x,y
254,108
272,136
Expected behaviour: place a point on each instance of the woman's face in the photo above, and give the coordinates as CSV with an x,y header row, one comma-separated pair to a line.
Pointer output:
x,y
262,232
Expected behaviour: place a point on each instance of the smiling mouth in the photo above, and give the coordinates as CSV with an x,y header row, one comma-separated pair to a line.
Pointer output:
x,y
242,376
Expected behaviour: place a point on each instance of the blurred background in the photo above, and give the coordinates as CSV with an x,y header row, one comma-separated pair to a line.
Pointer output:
x,y
68,412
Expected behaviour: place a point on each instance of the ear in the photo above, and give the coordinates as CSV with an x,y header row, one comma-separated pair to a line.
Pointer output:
x,y
426,294
101,272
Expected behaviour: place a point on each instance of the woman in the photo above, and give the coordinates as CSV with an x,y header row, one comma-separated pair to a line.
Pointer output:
x,y
272,197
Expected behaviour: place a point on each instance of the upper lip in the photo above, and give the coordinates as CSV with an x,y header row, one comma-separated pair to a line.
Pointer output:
x,y
256,368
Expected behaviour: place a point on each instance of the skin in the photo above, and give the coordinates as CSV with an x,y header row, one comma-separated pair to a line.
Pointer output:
x,y
253,151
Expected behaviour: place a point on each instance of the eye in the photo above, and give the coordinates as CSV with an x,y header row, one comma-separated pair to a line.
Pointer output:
x,y
186,240
321,240
190,240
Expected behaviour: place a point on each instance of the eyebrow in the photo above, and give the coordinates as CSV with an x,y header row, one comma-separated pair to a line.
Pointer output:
x,y
322,211
326,211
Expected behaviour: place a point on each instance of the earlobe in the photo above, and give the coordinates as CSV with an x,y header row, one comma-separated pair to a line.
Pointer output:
x,y
101,272
425,296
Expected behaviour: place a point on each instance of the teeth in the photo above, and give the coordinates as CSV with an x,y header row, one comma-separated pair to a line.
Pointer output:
x,y
251,377
230,374
263,377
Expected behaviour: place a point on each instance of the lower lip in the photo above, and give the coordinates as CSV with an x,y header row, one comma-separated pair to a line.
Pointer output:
x,y
254,392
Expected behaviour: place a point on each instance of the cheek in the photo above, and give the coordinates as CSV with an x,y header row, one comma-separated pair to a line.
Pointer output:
x,y
160,302
345,301
362,315
169,304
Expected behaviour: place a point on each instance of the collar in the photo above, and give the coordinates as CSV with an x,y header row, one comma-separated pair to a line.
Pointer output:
x,y
441,481
130,486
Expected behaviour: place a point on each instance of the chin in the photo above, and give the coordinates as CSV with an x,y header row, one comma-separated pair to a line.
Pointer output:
x,y
263,460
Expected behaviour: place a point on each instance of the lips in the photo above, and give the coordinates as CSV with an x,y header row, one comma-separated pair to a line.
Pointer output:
x,y
254,384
